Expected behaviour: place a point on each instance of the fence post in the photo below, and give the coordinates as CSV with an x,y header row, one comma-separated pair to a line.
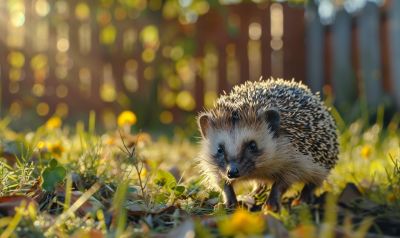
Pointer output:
x,y
343,79
2,59
314,45
369,53
394,39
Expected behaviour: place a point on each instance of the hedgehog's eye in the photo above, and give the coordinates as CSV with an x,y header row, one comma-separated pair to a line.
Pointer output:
x,y
220,149
252,146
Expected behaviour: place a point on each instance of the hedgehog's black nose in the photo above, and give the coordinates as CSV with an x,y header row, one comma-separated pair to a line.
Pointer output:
x,y
233,173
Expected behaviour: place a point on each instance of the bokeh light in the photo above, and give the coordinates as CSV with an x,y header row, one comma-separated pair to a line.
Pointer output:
x,y
39,62
15,74
61,91
108,34
38,89
42,8
255,31
166,117
16,59
148,55
42,109
185,101
63,45
15,109
107,92
17,12
149,36
61,110
13,87
168,99
82,11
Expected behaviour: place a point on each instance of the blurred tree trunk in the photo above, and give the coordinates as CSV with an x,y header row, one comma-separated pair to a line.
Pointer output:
x,y
394,39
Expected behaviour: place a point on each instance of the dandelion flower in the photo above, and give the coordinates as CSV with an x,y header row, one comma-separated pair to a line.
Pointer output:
x,y
53,123
56,149
126,118
242,222
41,145
366,151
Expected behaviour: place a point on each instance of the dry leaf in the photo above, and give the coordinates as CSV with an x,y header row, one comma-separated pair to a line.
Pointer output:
x,y
9,203
93,233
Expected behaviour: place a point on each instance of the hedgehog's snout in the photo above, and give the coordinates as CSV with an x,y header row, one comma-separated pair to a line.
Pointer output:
x,y
232,170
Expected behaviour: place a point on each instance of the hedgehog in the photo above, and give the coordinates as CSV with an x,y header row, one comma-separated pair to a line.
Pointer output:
x,y
269,132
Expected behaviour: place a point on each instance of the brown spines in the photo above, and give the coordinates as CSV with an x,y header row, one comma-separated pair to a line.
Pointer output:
x,y
305,120
226,118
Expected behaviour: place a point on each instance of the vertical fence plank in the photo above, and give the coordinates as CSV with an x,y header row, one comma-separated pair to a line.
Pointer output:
x,y
222,75
394,37
385,48
265,43
2,60
343,80
314,45
294,44
243,40
369,50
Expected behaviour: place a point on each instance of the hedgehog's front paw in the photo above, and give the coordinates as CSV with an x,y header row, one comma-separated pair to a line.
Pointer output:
x,y
229,196
272,205
306,196
231,203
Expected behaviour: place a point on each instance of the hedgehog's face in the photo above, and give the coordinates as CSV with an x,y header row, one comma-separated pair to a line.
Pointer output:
x,y
236,148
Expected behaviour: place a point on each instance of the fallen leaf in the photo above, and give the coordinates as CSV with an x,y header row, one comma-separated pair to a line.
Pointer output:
x,y
349,193
93,233
137,210
9,203
10,158
36,191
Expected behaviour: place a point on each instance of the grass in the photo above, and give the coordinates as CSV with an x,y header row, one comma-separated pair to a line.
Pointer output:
x,y
59,181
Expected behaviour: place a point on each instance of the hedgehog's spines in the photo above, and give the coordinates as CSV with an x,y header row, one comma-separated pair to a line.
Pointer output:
x,y
305,119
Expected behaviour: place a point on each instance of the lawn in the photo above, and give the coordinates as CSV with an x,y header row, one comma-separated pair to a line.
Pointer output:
x,y
63,181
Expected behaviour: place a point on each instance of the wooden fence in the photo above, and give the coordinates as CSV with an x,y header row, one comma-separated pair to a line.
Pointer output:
x,y
360,56
68,58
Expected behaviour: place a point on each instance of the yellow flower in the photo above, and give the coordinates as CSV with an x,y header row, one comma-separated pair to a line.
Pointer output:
x,y
53,122
366,151
143,173
41,145
56,149
126,118
242,222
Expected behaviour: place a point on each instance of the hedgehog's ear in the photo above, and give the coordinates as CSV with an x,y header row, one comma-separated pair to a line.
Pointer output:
x,y
273,119
203,122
